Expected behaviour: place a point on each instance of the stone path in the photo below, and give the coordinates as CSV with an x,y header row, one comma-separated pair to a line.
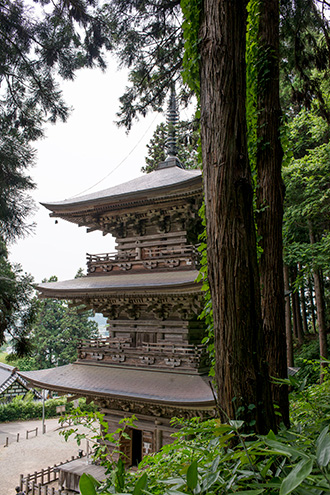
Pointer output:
x,y
33,454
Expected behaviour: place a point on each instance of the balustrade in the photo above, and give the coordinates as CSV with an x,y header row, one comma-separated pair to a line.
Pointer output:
x,y
147,257
160,354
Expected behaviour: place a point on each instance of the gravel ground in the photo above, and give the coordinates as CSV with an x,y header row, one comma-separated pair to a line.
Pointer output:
x,y
33,454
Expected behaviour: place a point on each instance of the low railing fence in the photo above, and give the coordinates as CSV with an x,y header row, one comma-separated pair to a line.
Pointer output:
x,y
36,483
18,436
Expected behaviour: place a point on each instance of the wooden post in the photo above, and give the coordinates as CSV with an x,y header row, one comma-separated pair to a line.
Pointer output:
x,y
7,440
27,434
48,474
39,488
17,439
36,431
32,487
27,480
53,491
42,476
21,482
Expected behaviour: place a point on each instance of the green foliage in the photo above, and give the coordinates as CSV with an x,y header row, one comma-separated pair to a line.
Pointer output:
x,y
252,59
56,333
18,304
210,457
39,42
187,143
191,58
148,40
307,359
26,408
310,405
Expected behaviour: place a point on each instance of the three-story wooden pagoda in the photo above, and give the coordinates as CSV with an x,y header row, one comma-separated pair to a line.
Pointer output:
x,y
152,364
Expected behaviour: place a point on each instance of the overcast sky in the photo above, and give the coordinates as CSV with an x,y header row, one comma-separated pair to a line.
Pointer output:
x,y
73,157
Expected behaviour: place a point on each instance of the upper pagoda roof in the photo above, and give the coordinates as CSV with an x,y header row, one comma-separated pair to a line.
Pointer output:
x,y
168,179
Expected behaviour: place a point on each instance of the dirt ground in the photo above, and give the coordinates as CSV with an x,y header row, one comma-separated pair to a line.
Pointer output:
x,y
32,454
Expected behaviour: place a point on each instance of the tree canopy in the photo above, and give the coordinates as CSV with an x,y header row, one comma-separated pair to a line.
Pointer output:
x,y
56,332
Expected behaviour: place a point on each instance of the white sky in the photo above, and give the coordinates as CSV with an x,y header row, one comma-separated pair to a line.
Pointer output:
x,y
73,157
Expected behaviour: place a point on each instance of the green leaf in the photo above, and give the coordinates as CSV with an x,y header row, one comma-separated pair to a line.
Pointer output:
x,y
296,476
323,448
192,475
250,492
281,448
140,485
236,424
210,480
87,484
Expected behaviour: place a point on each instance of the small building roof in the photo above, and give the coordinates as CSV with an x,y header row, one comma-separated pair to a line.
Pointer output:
x,y
8,375
160,282
169,178
163,387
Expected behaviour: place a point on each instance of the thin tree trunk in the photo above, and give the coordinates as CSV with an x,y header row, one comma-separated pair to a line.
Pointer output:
x,y
296,307
288,328
319,305
311,298
241,372
270,195
303,305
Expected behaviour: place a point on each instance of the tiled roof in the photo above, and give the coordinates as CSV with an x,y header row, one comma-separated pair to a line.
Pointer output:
x,y
8,375
126,383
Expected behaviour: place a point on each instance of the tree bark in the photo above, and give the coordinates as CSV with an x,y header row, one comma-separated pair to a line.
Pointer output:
x,y
241,372
311,297
320,310
288,327
296,308
319,299
270,195
303,303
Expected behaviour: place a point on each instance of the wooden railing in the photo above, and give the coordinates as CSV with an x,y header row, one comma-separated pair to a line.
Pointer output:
x,y
36,483
159,355
141,256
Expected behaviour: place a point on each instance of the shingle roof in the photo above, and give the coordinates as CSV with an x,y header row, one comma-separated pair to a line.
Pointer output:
x,y
161,282
126,383
157,180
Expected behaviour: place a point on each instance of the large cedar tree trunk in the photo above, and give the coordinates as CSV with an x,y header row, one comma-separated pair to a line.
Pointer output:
x,y
241,373
270,195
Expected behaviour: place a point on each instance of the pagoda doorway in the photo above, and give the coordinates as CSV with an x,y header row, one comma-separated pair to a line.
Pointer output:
x,y
136,447
131,447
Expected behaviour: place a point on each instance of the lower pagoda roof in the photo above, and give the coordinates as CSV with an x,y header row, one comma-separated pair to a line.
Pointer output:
x,y
161,387
164,282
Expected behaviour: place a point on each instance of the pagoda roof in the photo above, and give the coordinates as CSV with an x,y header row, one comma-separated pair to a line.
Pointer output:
x,y
162,387
168,180
160,282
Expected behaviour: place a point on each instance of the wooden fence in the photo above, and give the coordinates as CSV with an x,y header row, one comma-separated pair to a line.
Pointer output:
x,y
27,433
36,483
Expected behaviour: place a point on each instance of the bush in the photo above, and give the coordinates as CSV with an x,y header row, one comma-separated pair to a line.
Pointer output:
x,y
27,408
305,359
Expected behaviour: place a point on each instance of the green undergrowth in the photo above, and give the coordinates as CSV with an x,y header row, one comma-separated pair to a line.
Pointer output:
x,y
26,408
213,458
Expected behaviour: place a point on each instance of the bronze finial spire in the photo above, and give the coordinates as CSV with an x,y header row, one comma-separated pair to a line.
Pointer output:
x,y
172,119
